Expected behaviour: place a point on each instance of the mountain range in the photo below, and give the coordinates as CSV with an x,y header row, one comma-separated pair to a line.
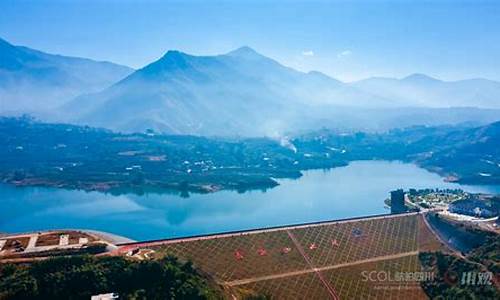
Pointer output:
x,y
422,90
238,93
245,93
31,80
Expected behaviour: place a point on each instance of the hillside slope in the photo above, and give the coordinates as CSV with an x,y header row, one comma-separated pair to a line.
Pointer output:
x,y
31,80
422,90
241,92
245,93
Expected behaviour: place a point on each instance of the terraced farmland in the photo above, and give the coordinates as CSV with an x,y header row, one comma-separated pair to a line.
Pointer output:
x,y
311,261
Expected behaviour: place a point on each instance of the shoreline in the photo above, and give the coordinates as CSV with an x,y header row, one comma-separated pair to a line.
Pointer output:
x,y
209,188
110,237
165,188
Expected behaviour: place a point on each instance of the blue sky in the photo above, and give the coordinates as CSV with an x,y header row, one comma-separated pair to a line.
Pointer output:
x,y
348,40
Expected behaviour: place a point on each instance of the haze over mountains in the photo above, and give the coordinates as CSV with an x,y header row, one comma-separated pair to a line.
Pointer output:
x,y
238,93
422,90
32,80
246,93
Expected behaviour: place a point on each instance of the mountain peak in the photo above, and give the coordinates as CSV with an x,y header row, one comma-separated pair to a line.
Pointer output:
x,y
322,76
245,52
174,54
4,44
2,41
419,77
173,59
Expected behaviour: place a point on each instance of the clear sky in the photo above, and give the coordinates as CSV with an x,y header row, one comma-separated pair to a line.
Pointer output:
x,y
348,40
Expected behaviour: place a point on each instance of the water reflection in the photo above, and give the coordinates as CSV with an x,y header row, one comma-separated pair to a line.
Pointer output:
x,y
356,190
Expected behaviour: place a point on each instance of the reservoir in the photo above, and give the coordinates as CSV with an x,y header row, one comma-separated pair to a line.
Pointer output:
x,y
358,189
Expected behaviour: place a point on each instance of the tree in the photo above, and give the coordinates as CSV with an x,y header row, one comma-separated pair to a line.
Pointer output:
x,y
80,277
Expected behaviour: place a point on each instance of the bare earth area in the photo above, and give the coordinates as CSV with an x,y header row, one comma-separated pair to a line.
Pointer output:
x,y
41,245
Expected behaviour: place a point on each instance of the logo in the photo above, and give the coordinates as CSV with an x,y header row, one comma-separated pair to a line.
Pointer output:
x,y
387,276
476,278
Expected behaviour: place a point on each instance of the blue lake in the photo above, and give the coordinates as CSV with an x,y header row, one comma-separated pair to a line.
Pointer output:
x,y
356,190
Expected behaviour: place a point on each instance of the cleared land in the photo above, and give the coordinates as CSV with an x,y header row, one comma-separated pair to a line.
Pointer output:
x,y
315,261
13,245
37,245
53,239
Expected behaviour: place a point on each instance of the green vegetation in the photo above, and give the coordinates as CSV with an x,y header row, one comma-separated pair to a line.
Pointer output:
x,y
472,276
450,277
78,157
430,198
93,159
80,277
488,254
463,154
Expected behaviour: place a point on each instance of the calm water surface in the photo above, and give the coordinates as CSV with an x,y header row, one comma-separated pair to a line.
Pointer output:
x,y
356,190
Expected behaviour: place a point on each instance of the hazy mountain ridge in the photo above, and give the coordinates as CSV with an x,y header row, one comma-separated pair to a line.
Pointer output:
x,y
425,91
31,80
180,93
241,93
